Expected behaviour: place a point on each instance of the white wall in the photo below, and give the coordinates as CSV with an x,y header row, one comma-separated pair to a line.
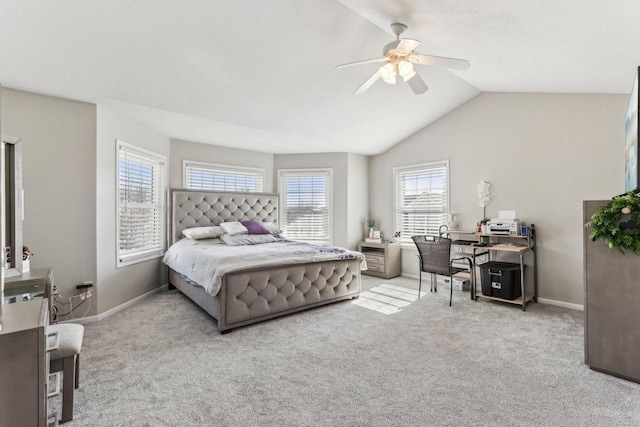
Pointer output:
x,y
119,285
543,153
59,162
185,150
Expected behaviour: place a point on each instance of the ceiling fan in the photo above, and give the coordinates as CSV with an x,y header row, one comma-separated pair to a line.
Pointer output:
x,y
400,59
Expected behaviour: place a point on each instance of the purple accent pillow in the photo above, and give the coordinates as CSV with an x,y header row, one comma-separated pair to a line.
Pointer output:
x,y
255,227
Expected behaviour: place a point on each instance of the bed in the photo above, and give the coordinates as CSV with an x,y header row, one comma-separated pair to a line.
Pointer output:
x,y
251,294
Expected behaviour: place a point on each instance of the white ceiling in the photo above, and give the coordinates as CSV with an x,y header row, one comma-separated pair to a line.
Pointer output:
x,y
259,75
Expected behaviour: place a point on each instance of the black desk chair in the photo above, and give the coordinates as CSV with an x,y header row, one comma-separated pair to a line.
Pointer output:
x,y
434,253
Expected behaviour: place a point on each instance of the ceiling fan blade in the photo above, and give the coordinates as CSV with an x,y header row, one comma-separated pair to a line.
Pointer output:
x,y
417,85
366,85
366,61
407,45
441,61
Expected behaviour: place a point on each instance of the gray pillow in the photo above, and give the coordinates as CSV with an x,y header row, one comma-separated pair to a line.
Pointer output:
x,y
234,227
273,229
246,239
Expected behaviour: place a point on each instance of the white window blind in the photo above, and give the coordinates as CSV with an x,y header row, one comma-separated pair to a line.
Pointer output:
x,y
141,204
422,195
306,204
208,176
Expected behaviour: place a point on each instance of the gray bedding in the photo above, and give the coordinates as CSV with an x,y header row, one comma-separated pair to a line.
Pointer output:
x,y
206,262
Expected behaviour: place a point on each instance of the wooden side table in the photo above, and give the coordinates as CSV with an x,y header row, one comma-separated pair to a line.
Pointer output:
x,y
383,259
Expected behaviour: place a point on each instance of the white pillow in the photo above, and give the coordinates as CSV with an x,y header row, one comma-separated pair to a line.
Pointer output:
x,y
233,228
198,233
273,229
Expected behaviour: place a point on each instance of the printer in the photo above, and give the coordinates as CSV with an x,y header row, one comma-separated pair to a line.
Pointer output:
x,y
507,224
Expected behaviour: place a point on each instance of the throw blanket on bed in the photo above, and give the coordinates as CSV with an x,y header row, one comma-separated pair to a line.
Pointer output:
x,y
205,262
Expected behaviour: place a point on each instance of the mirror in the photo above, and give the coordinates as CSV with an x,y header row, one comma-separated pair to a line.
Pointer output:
x,y
13,206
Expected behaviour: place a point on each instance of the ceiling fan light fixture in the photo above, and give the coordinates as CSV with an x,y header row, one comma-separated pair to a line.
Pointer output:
x,y
392,80
388,74
405,68
400,59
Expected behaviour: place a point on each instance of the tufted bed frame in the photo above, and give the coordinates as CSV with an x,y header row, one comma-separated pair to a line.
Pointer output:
x,y
248,296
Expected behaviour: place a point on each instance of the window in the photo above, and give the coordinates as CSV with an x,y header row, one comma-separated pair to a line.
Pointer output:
x,y
422,198
209,176
305,204
141,204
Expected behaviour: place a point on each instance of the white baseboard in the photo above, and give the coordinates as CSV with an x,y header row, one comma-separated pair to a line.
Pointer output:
x,y
557,303
114,310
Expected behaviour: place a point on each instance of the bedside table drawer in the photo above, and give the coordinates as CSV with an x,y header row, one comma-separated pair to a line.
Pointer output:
x,y
374,259
375,267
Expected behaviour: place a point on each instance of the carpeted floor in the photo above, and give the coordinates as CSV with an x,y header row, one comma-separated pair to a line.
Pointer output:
x,y
163,363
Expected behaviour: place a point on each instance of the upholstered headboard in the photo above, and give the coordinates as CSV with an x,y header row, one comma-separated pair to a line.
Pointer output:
x,y
198,208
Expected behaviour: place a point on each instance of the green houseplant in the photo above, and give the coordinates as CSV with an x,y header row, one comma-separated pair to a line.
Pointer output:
x,y
617,223
371,223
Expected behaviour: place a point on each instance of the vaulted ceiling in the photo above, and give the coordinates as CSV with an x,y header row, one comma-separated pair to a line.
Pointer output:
x,y
260,75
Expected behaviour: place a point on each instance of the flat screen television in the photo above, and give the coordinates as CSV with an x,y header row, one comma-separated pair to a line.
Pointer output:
x,y
631,177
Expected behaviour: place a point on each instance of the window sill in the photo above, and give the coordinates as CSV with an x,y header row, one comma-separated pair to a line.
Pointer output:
x,y
131,261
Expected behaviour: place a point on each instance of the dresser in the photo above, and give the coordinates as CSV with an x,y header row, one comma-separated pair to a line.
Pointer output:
x,y
612,298
24,364
383,259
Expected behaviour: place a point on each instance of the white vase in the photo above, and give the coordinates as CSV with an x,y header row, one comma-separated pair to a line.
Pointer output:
x,y
371,233
452,223
485,229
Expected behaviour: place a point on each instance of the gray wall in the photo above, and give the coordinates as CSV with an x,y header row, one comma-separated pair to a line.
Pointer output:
x,y
119,285
357,199
350,190
339,163
543,154
185,150
59,163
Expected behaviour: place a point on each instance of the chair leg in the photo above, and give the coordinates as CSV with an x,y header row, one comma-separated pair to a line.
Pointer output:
x,y
451,292
77,371
67,388
420,284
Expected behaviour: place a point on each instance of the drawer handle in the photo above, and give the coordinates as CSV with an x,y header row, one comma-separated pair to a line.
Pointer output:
x,y
56,385
56,343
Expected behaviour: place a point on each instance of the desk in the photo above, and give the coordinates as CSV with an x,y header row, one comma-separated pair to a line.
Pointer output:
x,y
38,280
520,249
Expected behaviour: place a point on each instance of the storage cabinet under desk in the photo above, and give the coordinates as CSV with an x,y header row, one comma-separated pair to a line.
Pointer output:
x,y
383,259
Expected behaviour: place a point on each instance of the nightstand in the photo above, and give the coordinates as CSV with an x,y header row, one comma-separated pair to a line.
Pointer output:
x,y
383,259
